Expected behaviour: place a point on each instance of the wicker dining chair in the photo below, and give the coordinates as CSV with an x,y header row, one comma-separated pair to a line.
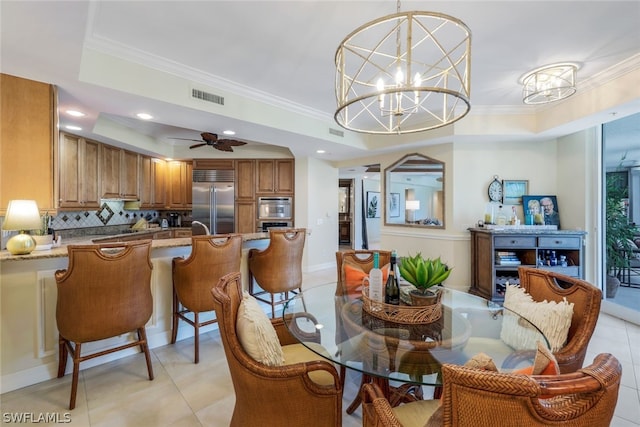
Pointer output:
x,y
278,268
360,259
274,396
212,256
551,286
474,397
104,292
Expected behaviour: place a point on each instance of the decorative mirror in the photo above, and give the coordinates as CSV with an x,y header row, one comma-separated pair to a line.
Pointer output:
x,y
344,198
414,192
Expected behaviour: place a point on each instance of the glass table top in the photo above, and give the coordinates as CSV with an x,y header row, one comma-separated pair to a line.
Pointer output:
x,y
351,336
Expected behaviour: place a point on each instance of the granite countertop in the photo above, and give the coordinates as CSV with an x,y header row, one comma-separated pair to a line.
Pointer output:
x,y
61,251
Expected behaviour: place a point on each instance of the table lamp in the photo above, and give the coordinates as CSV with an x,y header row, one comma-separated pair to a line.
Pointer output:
x,y
21,215
412,206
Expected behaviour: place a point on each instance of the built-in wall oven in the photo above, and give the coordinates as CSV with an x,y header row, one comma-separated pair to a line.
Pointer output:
x,y
276,208
274,212
264,226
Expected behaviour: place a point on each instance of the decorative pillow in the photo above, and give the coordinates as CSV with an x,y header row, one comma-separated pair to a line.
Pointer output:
x,y
481,361
545,363
354,275
256,334
553,319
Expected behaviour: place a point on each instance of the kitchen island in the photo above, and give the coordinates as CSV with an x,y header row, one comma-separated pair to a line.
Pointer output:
x,y
28,293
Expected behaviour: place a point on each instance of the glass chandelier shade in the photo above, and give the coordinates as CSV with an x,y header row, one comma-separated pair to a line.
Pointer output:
x,y
549,83
403,73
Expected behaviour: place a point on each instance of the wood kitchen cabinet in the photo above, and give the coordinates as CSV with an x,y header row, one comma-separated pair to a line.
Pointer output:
x,y
245,176
497,254
180,176
275,177
120,173
79,172
28,142
245,217
152,183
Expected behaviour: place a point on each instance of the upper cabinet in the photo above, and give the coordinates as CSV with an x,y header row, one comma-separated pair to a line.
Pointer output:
x,y
27,142
180,176
79,172
153,185
245,175
275,176
120,173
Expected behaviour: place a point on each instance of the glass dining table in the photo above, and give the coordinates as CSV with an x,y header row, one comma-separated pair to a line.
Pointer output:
x,y
409,355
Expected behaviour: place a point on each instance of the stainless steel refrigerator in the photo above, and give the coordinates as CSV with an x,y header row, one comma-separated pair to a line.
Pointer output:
x,y
213,202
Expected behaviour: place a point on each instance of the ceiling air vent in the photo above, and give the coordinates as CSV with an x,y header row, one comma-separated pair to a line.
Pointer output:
x,y
336,132
206,96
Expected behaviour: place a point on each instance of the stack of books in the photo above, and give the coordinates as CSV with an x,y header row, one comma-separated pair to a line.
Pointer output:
x,y
507,258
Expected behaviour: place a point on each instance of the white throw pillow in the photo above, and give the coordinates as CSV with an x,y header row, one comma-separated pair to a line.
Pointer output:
x,y
553,319
256,334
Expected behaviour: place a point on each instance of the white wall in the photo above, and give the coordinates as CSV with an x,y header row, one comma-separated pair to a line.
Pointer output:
x,y
316,208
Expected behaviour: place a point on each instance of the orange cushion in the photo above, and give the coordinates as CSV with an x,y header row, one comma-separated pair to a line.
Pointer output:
x,y
544,363
353,277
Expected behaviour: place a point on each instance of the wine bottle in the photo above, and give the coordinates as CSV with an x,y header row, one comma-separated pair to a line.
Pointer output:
x,y
392,289
376,292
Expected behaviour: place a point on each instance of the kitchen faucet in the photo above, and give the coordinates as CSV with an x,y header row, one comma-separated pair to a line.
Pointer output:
x,y
206,229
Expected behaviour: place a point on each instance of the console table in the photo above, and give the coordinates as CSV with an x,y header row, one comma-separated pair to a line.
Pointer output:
x,y
497,254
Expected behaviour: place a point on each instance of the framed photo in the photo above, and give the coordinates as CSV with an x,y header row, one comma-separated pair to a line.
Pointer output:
x,y
512,191
373,204
541,208
394,205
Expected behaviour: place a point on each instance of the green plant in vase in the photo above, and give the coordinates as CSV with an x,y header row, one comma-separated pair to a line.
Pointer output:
x,y
424,274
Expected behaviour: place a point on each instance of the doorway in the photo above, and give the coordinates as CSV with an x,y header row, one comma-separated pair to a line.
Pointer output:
x,y
345,213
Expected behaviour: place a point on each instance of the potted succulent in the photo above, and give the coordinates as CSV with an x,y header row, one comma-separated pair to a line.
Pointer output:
x,y
42,237
620,233
424,274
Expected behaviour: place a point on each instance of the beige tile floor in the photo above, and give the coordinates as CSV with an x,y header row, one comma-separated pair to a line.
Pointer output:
x,y
184,394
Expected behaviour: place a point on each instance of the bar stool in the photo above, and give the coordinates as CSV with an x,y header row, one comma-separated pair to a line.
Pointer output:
x,y
278,268
105,292
212,256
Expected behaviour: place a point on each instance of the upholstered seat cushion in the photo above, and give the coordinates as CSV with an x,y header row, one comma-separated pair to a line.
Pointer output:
x,y
297,353
256,334
416,413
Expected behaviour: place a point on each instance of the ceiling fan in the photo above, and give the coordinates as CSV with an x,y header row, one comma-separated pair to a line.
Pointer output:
x,y
212,140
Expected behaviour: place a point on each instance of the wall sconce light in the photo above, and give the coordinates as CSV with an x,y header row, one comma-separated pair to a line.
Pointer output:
x,y
22,215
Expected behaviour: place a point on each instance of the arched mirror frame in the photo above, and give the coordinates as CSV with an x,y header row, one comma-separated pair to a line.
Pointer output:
x,y
413,163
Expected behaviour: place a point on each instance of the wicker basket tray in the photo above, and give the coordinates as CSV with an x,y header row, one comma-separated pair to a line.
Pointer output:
x,y
406,314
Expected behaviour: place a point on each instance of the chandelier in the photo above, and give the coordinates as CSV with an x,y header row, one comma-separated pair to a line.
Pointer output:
x,y
549,83
403,73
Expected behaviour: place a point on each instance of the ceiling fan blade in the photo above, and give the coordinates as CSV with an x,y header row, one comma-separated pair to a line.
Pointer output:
x,y
198,145
231,142
222,146
209,136
187,139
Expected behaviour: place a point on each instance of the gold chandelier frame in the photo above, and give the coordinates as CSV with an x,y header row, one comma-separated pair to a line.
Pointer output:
x,y
425,80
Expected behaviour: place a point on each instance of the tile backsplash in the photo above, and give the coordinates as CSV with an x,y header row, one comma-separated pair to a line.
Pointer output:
x,y
111,212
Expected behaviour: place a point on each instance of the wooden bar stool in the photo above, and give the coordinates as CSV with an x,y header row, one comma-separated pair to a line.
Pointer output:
x,y
105,292
212,256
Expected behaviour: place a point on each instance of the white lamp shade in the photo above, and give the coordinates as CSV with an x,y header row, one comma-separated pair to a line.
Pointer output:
x,y
22,215
413,205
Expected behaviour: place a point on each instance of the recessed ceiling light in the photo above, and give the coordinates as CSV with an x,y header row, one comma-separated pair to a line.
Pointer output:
x,y
229,132
144,116
70,127
320,151
75,113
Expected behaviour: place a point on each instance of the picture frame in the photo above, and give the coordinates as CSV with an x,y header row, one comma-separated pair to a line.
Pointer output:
x,y
513,190
533,203
394,205
373,204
